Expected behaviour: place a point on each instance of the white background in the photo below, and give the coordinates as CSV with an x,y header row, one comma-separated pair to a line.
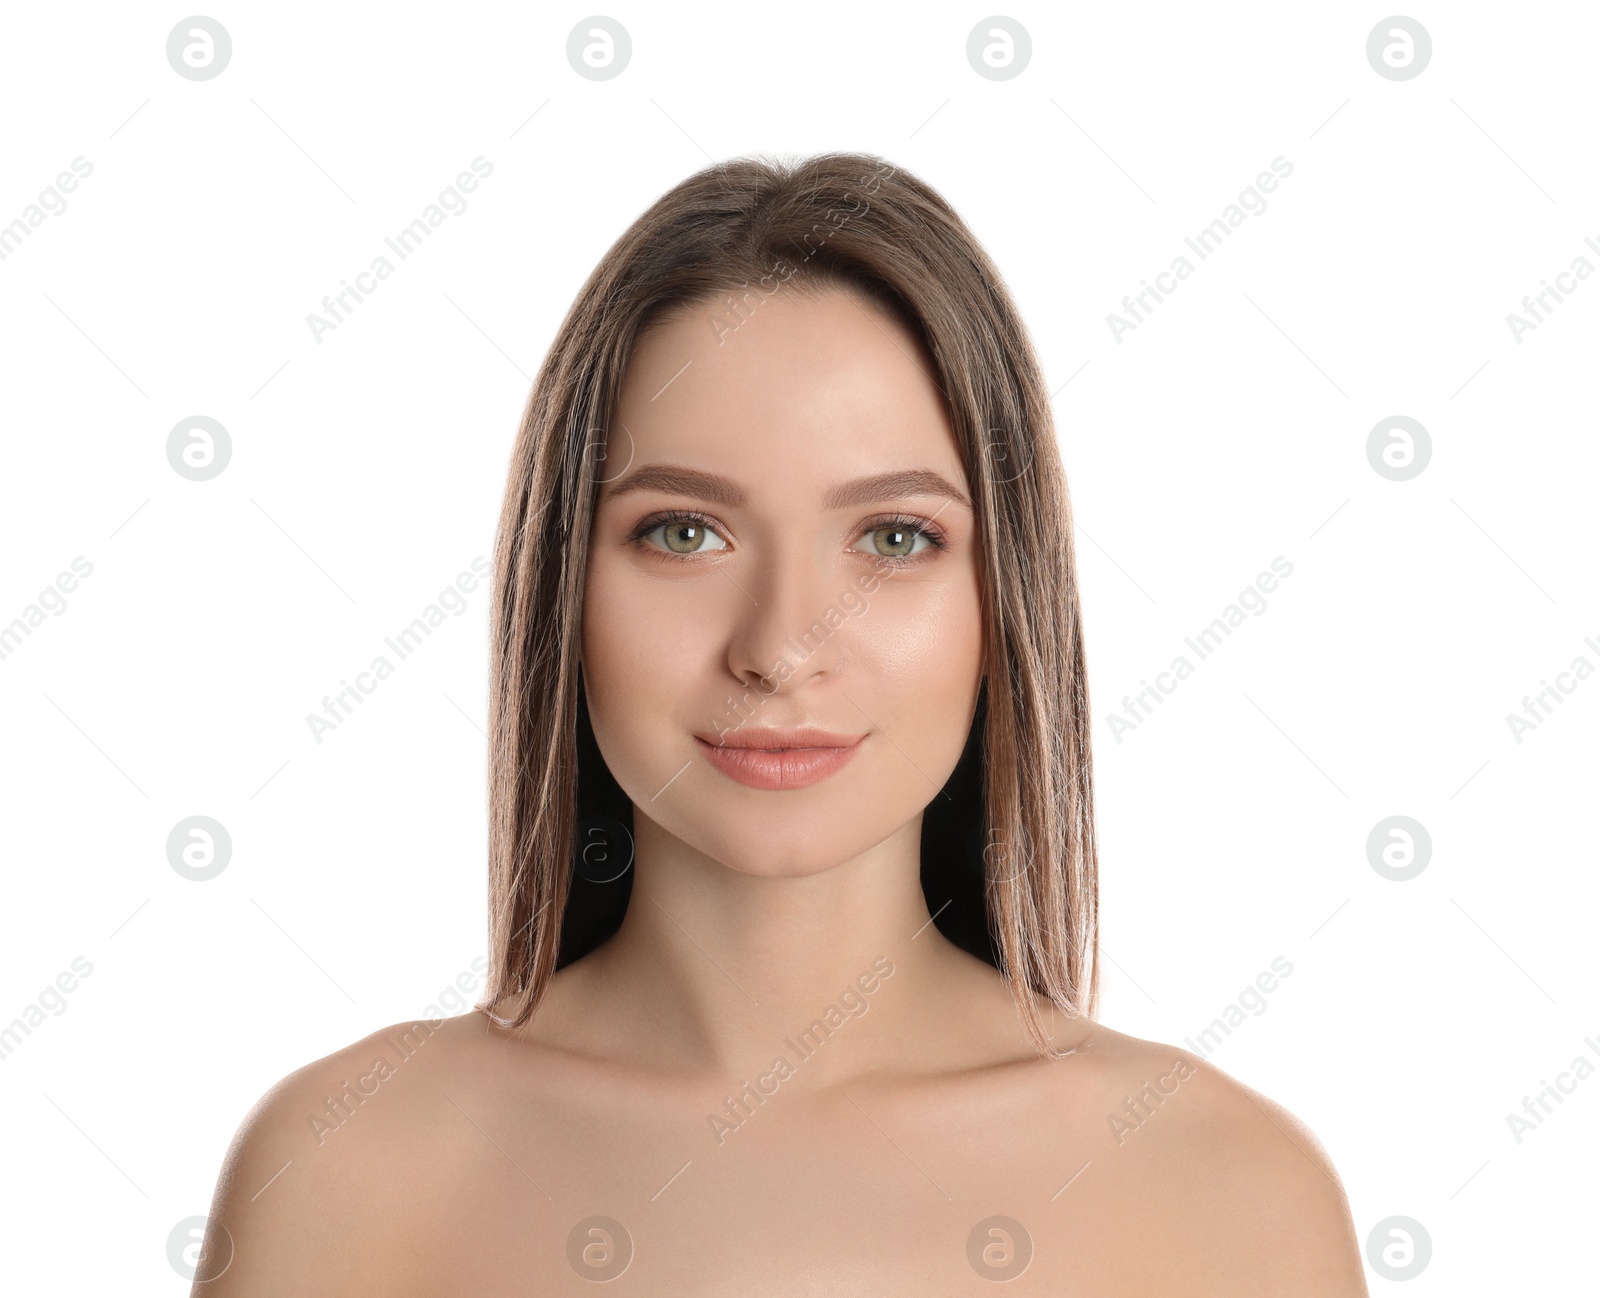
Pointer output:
x,y
1228,429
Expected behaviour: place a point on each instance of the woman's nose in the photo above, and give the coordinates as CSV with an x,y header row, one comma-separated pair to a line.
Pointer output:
x,y
788,612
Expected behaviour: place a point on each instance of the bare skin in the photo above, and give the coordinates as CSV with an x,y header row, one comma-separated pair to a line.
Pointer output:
x,y
769,925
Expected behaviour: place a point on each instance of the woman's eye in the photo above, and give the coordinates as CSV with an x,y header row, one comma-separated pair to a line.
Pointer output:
x,y
897,540
681,537
685,536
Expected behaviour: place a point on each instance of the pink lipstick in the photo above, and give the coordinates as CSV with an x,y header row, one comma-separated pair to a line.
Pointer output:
x,y
779,759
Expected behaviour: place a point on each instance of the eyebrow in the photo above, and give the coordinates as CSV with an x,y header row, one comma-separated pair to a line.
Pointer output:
x,y
679,481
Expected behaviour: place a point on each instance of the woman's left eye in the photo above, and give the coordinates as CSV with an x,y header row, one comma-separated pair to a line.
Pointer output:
x,y
899,539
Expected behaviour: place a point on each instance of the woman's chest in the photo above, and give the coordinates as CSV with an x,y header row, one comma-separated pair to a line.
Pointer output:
x,y
862,1192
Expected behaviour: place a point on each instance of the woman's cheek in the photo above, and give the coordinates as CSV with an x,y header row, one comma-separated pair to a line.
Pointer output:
x,y
641,638
929,637
616,644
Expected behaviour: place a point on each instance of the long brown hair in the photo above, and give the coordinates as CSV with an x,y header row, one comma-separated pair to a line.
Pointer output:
x,y
1010,842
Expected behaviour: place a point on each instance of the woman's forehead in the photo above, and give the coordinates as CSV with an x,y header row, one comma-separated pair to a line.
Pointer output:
x,y
811,376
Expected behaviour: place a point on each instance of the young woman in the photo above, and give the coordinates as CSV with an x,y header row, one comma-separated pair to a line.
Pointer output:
x,y
793,873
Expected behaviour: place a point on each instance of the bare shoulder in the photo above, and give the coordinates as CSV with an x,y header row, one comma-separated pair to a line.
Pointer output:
x,y
329,1167
1240,1194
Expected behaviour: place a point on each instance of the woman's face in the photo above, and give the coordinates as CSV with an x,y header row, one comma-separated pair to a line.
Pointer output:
x,y
767,582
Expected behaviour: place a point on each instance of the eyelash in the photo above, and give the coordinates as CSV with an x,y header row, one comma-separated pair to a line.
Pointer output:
x,y
936,538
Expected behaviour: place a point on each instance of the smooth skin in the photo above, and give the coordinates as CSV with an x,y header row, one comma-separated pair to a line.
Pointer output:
x,y
867,1167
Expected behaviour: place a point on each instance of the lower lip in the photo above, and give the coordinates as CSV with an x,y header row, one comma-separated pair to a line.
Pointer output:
x,y
790,768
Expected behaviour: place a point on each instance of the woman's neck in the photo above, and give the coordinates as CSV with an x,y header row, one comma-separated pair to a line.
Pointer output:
x,y
715,971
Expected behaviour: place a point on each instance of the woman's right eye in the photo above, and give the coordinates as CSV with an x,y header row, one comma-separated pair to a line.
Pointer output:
x,y
681,536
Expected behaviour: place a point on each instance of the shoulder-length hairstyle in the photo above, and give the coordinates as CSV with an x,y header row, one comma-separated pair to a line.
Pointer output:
x,y
1009,864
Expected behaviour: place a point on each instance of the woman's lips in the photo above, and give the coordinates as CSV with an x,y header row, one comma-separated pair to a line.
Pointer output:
x,y
788,768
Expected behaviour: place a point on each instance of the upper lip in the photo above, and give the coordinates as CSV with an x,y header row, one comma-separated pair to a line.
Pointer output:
x,y
798,737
